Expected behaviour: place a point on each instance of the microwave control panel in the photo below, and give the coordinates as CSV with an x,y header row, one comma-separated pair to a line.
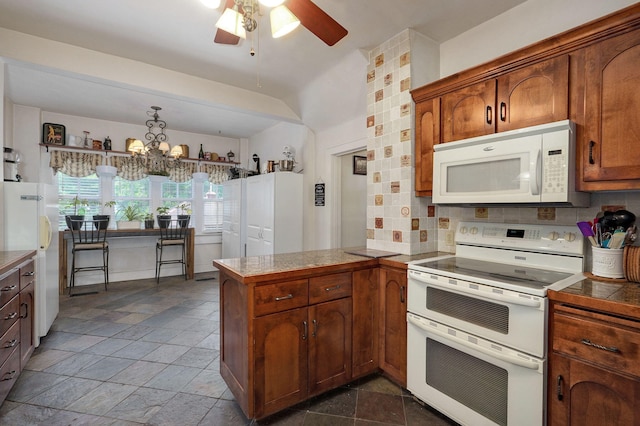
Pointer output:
x,y
557,150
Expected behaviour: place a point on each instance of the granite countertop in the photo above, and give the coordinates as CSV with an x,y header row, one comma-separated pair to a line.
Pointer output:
x,y
255,266
618,297
10,259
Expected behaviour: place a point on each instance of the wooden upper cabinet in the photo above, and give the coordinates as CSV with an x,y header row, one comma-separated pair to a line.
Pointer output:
x,y
427,135
469,111
533,95
611,157
536,94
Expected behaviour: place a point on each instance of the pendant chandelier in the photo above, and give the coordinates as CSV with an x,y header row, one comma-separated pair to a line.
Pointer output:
x,y
156,156
242,18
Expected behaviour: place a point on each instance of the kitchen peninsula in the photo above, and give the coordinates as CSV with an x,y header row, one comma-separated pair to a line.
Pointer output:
x,y
299,324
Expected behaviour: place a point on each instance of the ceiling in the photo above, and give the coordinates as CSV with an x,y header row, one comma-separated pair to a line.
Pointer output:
x,y
178,35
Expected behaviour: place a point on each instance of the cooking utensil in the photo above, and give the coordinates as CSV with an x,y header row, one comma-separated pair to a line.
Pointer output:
x,y
587,232
285,165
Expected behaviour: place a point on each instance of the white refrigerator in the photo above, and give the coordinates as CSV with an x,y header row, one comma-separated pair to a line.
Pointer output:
x,y
30,222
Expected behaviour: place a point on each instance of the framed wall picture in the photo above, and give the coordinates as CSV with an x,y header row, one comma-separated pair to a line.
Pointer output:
x,y
53,134
359,165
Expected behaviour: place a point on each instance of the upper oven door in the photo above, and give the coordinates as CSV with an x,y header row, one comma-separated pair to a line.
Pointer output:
x,y
513,319
505,171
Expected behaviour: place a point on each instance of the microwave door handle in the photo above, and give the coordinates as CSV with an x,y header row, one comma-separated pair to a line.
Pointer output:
x,y
535,174
502,356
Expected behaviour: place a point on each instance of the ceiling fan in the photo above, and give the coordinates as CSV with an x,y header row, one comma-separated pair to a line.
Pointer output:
x,y
241,14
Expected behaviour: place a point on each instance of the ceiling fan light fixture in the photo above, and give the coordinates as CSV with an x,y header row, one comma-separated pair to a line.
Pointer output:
x,y
271,3
282,21
211,4
231,22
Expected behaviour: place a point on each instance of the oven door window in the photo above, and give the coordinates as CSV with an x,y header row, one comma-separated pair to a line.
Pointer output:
x,y
472,382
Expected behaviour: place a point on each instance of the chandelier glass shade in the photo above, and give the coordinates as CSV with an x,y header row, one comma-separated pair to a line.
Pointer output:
x,y
156,156
242,18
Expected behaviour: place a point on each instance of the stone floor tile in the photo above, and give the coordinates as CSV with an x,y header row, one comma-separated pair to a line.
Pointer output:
x,y
65,392
160,335
136,350
138,373
173,378
105,368
33,383
102,399
43,358
108,346
420,414
197,357
184,410
80,343
207,382
166,353
109,329
226,413
27,414
212,341
134,318
188,338
380,407
134,332
141,405
339,402
70,366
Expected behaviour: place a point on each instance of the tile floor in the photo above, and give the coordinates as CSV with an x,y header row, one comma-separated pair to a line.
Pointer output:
x,y
147,354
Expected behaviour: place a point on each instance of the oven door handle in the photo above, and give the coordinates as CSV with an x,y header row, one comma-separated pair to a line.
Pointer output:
x,y
532,365
514,300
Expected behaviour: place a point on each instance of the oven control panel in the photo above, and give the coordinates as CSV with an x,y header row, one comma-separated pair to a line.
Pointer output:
x,y
545,238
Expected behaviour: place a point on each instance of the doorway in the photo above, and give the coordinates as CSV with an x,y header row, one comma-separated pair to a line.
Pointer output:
x,y
353,203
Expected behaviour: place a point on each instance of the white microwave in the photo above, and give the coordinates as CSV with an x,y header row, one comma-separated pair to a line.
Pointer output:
x,y
534,165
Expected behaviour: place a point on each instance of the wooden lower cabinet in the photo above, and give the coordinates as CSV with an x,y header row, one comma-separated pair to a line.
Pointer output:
x,y
594,368
393,324
366,322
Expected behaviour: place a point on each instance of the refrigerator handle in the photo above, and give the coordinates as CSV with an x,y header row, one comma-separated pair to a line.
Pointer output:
x,y
45,232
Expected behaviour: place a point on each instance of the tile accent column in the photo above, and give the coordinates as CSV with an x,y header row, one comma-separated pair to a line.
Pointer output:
x,y
397,220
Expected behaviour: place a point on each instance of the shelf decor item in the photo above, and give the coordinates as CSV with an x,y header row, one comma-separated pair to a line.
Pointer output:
x,y
359,165
53,134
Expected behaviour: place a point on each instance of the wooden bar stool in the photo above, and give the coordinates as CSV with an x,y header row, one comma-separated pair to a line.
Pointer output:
x,y
173,233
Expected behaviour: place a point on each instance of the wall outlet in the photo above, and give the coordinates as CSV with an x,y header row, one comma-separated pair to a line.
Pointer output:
x,y
449,238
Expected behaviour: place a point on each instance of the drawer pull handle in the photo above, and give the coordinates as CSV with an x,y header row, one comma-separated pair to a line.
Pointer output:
x,y
288,296
29,274
335,287
597,346
315,328
9,288
10,375
305,331
11,343
11,316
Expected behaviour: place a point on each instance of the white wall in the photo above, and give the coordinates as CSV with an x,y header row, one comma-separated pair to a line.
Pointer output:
x,y
525,24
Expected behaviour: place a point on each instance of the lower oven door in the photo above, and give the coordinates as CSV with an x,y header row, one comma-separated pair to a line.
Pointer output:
x,y
472,380
507,317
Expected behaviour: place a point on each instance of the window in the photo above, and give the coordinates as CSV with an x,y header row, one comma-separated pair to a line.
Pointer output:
x,y
87,191
177,196
134,193
212,216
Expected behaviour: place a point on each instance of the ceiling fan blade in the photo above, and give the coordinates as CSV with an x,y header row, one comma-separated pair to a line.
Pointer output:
x,y
223,37
317,21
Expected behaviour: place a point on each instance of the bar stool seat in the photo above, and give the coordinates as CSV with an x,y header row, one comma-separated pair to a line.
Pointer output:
x,y
172,233
88,235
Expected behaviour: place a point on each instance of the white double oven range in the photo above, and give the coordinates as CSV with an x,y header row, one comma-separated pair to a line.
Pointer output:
x,y
477,320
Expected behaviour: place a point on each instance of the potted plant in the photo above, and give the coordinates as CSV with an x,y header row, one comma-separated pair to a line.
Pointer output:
x,y
185,214
75,219
148,221
163,217
104,225
130,217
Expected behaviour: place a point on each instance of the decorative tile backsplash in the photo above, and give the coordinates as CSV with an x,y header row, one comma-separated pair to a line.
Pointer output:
x,y
397,220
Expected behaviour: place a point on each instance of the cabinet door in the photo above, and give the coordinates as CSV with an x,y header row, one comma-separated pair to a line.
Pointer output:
x,y
584,395
469,112
280,360
365,332
393,342
27,304
329,345
534,95
232,219
612,104
427,135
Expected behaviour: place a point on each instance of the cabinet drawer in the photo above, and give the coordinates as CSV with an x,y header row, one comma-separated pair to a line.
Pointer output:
x,y
608,345
329,287
9,314
9,372
9,285
9,341
27,274
280,297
